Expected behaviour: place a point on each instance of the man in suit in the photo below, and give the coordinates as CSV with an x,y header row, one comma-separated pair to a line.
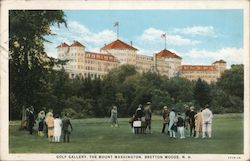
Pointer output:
x,y
207,117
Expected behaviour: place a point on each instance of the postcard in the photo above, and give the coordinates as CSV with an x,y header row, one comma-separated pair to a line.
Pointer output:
x,y
124,80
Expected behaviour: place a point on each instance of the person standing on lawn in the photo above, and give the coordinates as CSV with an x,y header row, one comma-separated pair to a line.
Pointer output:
x,y
49,112
113,117
138,113
165,116
57,128
50,125
192,121
198,123
148,116
207,117
31,120
138,117
40,119
180,126
171,125
65,127
187,119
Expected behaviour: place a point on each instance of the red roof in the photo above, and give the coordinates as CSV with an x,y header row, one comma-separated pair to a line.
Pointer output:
x,y
98,56
118,44
62,45
219,61
168,54
76,44
197,68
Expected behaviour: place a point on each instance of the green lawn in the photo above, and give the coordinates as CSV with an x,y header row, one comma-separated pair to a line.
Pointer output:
x,y
96,136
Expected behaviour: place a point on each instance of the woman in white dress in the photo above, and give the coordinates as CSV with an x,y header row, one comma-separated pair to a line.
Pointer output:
x,y
57,128
172,121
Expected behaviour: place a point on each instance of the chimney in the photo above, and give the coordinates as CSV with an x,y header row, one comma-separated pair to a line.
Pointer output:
x,y
131,43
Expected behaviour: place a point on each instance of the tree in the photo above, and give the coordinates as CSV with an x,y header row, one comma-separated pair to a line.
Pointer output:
x,y
180,89
202,94
232,81
29,64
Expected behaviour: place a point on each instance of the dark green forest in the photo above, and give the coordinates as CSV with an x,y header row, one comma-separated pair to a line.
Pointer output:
x,y
33,82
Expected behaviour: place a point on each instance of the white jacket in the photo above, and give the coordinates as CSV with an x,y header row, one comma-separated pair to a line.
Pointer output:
x,y
207,116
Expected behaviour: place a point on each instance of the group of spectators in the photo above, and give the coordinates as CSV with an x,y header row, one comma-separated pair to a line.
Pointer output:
x,y
191,123
49,125
197,122
141,120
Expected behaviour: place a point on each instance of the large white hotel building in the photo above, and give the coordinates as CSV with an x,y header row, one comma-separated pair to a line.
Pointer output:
x,y
94,65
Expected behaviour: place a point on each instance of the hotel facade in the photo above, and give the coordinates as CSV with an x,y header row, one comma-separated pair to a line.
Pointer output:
x,y
96,65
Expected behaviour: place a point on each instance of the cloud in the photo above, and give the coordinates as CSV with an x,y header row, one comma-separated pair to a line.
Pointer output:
x,y
230,55
153,35
197,30
82,33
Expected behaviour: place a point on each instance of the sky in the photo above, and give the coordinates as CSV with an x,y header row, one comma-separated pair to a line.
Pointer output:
x,y
198,36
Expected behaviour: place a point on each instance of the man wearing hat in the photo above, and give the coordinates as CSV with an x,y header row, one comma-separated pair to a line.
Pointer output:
x,y
138,117
187,119
192,121
180,126
148,115
31,120
165,115
207,117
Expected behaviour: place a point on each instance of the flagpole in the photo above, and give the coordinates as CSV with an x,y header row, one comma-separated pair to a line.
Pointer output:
x,y
165,42
165,38
118,31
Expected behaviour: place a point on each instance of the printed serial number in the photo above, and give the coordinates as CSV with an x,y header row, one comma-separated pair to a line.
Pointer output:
x,y
234,157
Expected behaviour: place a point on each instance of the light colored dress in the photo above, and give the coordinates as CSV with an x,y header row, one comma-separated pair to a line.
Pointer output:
x,y
172,119
113,116
50,123
57,127
198,122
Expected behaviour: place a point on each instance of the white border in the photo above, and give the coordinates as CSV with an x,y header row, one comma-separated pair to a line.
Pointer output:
x,y
6,5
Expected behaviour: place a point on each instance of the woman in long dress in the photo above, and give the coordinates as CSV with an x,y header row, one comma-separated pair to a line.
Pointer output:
x,y
172,120
40,119
57,128
113,117
50,125
198,123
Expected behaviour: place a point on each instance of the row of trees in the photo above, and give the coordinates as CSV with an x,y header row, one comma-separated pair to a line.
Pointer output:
x,y
34,82
126,89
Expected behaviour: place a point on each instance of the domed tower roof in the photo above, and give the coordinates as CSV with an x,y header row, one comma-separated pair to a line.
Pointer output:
x,y
62,45
167,54
118,44
76,44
